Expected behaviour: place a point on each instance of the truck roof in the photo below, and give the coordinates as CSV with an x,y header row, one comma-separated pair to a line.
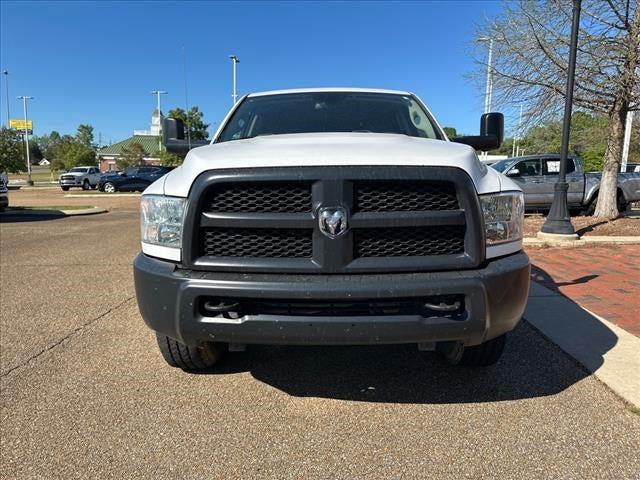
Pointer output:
x,y
331,89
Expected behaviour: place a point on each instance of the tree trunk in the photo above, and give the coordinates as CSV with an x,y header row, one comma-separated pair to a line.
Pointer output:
x,y
607,206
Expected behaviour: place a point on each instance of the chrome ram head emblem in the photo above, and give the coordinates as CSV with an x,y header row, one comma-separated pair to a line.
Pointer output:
x,y
333,221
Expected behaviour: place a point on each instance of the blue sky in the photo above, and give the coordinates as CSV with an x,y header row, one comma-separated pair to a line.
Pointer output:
x,y
96,62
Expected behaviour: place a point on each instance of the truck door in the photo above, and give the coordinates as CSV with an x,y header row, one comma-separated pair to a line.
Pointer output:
x,y
528,174
551,169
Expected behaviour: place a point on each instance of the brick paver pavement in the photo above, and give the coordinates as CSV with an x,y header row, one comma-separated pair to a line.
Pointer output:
x,y
604,280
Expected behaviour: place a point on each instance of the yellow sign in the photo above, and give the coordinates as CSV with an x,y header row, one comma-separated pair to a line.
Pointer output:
x,y
21,124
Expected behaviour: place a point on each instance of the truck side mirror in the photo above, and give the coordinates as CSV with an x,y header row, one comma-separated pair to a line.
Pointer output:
x,y
491,133
492,124
173,137
172,129
514,172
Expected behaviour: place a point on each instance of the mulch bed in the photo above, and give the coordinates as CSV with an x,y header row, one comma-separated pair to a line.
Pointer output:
x,y
620,227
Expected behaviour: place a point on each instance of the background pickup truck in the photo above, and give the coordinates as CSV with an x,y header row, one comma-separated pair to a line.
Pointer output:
x,y
537,174
84,177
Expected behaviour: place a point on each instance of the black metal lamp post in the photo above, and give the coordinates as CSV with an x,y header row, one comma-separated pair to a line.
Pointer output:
x,y
559,220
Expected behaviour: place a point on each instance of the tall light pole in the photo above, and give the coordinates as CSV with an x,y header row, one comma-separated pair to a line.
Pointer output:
x,y
516,135
234,60
559,221
627,141
157,93
26,136
488,93
489,87
6,85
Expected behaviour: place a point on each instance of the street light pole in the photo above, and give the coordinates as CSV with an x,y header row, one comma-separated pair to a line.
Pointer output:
x,y
26,136
234,60
6,86
627,141
157,93
559,220
516,135
489,87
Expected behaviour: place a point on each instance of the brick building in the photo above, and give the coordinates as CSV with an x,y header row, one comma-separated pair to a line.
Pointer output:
x,y
148,139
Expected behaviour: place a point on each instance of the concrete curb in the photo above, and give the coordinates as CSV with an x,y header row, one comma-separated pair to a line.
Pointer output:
x,y
604,349
54,213
583,241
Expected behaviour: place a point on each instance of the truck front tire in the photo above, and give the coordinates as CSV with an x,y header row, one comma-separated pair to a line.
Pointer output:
x,y
65,189
187,357
483,355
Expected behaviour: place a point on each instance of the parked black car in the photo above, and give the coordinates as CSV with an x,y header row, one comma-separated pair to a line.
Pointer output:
x,y
132,179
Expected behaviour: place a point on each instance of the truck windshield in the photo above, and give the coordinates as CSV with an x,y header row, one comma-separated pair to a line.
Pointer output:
x,y
78,170
280,114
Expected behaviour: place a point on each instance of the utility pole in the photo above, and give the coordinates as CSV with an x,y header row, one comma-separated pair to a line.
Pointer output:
x,y
157,93
26,136
559,221
627,141
234,60
6,86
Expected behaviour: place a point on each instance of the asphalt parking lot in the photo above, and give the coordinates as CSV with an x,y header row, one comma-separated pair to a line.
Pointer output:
x,y
85,392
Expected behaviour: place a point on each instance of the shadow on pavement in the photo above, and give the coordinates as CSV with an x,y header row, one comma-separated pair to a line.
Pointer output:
x,y
530,367
541,276
575,330
19,216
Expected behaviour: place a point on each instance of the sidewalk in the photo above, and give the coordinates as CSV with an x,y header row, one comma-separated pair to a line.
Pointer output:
x,y
604,280
607,351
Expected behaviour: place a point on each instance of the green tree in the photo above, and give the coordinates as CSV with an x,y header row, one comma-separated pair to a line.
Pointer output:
x,y
11,159
193,122
84,135
588,138
450,131
132,155
47,142
69,153
169,159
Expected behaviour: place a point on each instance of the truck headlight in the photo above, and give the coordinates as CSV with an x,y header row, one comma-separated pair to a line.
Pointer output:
x,y
503,216
161,220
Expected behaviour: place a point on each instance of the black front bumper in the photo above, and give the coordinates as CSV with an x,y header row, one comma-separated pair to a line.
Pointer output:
x,y
494,297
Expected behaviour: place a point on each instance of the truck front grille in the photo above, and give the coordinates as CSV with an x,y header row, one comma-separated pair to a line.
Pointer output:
x,y
256,243
399,219
404,196
290,197
229,307
409,241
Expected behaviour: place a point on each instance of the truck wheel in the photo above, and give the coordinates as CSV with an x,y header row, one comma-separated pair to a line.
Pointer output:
x,y
622,206
485,354
65,189
188,357
86,185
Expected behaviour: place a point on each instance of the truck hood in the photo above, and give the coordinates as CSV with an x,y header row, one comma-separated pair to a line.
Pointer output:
x,y
327,149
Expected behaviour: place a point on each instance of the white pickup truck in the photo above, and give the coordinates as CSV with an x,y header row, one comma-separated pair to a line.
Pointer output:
x,y
83,177
332,217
